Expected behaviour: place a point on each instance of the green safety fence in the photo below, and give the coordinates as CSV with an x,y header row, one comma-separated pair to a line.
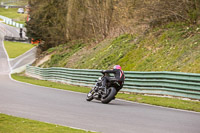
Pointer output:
x,y
164,83
11,22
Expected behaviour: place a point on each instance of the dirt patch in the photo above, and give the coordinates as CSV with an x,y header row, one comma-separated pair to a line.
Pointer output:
x,y
43,60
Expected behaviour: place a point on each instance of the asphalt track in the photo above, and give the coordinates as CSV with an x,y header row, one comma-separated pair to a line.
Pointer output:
x,y
26,58
71,109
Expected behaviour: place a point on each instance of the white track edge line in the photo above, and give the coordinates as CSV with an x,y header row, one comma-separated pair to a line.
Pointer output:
x,y
6,55
20,60
24,53
116,99
57,89
174,109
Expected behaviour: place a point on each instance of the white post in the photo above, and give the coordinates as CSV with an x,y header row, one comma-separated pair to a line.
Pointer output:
x,y
14,23
10,22
21,26
17,25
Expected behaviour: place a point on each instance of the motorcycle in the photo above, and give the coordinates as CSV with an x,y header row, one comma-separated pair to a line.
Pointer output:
x,y
105,95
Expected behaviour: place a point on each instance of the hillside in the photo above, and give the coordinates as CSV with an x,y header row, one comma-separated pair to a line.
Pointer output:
x,y
139,35
173,47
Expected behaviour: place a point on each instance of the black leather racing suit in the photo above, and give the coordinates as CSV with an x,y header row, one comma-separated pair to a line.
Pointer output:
x,y
119,77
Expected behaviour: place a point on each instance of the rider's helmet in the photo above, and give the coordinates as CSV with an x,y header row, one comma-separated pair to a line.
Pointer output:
x,y
117,67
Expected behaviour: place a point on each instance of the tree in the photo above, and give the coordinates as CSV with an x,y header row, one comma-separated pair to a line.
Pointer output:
x,y
55,22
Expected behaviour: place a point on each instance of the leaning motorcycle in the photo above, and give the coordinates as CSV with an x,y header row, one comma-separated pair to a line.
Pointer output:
x,y
105,95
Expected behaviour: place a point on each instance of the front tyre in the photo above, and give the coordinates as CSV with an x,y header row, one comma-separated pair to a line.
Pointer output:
x,y
90,95
111,92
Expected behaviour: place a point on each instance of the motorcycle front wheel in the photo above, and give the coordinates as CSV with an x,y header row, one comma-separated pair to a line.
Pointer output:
x,y
111,92
90,95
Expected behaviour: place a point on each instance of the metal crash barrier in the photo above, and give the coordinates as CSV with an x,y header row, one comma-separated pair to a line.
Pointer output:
x,y
9,21
163,83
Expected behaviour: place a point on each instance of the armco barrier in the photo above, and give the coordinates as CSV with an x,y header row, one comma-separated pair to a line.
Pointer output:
x,y
164,83
11,22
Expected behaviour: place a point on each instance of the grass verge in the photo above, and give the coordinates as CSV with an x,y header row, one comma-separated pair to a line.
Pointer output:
x,y
10,124
15,49
22,78
19,3
12,13
153,100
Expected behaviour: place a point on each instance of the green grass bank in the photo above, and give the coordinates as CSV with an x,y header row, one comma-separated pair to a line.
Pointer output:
x,y
153,100
171,47
15,49
11,124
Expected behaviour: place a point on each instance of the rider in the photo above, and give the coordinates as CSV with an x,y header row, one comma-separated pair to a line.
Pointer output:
x,y
119,76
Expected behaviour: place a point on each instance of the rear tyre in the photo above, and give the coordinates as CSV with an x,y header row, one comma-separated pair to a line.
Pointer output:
x,y
111,92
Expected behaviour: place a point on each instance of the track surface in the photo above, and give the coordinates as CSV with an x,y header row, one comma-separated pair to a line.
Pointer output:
x,y
24,59
71,109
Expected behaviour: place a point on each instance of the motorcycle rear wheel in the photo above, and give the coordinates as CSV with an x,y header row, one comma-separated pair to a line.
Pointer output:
x,y
111,92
